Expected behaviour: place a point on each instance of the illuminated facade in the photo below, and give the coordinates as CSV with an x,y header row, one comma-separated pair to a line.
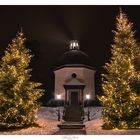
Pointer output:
x,y
74,76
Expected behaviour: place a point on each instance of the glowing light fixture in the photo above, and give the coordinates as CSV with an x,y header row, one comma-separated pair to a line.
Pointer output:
x,y
58,96
88,96
74,45
88,112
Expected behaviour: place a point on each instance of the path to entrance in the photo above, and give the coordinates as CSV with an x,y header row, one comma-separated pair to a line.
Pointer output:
x,y
71,132
73,122
71,128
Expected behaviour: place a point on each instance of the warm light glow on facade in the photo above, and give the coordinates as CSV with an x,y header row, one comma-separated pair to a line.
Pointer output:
x,y
87,96
58,96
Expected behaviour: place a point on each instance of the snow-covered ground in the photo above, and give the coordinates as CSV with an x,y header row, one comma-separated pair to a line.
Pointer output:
x,y
93,127
45,127
47,124
50,113
95,113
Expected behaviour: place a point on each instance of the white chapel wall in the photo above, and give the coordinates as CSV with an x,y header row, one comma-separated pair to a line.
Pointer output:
x,y
83,73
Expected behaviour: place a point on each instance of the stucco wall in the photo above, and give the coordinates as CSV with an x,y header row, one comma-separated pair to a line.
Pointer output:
x,y
86,75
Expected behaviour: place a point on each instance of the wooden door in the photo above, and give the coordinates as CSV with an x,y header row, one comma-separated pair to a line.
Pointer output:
x,y
74,98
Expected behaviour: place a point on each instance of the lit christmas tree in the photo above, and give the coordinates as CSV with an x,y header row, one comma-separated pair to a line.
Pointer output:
x,y
121,98
18,95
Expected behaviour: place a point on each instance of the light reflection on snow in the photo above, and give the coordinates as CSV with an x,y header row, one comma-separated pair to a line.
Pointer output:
x,y
51,113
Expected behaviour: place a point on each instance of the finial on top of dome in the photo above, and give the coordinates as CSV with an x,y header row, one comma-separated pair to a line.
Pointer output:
x,y
74,45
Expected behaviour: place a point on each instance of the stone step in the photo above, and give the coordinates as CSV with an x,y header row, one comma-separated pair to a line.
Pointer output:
x,y
73,113
72,119
71,125
69,114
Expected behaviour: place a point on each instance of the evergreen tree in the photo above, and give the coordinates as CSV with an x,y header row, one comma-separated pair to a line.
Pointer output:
x,y
18,95
121,99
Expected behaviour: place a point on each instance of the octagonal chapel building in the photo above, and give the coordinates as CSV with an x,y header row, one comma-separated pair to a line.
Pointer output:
x,y
74,76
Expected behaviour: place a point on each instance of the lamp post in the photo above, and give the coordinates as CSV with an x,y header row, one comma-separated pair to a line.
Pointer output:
x,y
88,113
58,96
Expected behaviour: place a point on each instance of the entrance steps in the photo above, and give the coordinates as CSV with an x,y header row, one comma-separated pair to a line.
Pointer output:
x,y
71,128
73,113
73,121
71,125
71,132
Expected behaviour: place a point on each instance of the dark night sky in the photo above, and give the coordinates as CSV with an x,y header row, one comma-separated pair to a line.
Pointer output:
x,y
48,30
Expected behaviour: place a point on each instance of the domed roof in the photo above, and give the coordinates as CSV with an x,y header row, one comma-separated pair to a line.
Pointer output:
x,y
74,56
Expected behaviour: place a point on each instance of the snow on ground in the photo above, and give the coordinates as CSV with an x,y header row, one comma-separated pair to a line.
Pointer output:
x,y
95,112
46,127
93,127
50,113
47,124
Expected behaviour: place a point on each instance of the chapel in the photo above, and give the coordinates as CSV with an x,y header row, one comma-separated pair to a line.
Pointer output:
x,y
74,76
